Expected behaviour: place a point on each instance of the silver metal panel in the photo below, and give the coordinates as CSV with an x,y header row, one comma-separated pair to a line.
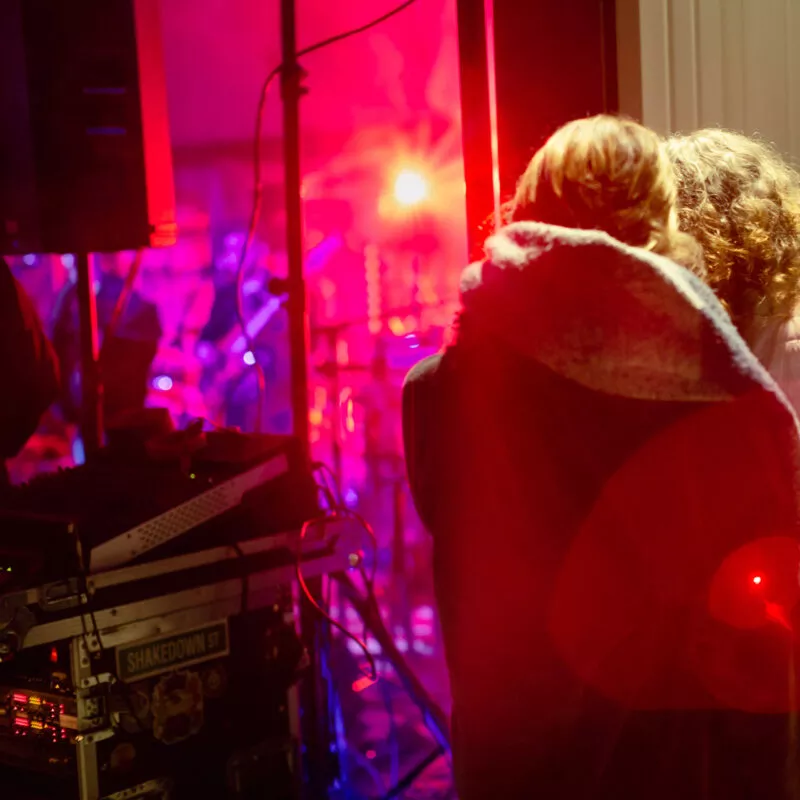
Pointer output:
x,y
202,558
185,517
164,614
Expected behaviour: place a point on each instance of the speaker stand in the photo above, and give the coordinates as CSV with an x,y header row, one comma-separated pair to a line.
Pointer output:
x,y
316,723
91,425
291,91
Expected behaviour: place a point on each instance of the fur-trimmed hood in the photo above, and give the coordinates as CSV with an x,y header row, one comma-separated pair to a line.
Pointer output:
x,y
614,318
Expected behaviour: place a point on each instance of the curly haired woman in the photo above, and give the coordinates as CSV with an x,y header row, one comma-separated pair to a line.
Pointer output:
x,y
586,454
741,201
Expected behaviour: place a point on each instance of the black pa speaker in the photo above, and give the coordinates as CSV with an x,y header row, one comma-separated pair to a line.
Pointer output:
x,y
85,158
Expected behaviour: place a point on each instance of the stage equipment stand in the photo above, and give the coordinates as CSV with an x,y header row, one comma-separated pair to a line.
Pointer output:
x,y
319,755
91,426
319,752
292,90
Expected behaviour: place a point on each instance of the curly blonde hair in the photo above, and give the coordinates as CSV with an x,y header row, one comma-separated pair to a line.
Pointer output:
x,y
741,201
611,174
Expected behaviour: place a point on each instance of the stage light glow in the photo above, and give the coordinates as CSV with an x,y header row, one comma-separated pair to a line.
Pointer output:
x,y
757,580
410,188
234,241
29,259
163,383
249,358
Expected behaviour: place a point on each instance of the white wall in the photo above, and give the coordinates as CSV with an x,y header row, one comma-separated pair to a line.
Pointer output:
x,y
734,63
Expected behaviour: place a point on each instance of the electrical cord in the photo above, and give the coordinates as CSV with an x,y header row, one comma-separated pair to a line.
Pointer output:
x,y
371,609
335,514
341,512
258,187
348,754
255,213
338,511
95,630
323,520
85,597
354,31
332,485
369,579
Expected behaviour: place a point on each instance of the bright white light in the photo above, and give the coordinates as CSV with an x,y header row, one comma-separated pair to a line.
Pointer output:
x,y
29,259
163,383
249,358
410,188
68,260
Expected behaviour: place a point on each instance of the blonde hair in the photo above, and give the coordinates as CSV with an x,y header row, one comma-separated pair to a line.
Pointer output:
x,y
741,201
611,174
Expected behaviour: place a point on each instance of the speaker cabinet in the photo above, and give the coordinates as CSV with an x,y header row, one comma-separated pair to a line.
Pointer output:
x,y
85,158
539,64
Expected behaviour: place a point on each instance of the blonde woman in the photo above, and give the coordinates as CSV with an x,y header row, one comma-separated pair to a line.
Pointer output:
x,y
610,174
629,190
741,201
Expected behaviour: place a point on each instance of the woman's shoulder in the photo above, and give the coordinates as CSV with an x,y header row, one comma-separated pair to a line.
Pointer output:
x,y
423,372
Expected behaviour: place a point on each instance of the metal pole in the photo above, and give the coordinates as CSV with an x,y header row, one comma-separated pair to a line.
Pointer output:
x,y
292,90
316,725
91,386
336,408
